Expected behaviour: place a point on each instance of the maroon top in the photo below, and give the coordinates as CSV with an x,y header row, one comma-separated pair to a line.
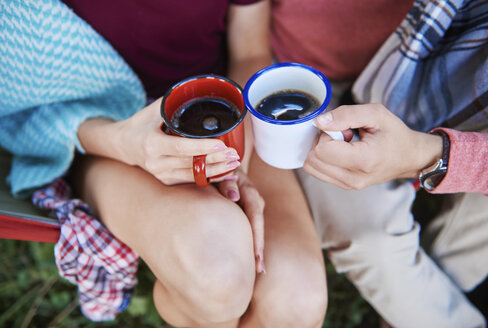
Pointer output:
x,y
337,37
163,41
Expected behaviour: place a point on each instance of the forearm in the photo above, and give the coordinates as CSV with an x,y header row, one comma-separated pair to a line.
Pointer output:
x,y
249,50
240,70
248,43
98,137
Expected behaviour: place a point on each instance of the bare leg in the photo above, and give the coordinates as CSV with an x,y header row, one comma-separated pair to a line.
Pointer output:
x,y
293,292
197,243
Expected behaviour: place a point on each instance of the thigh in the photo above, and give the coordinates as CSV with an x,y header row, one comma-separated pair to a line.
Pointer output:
x,y
372,237
180,231
294,286
342,216
459,237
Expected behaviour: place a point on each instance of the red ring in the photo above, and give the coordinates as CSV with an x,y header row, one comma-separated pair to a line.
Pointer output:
x,y
199,171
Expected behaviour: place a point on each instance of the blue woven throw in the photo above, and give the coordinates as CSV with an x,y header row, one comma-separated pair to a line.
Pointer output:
x,y
55,72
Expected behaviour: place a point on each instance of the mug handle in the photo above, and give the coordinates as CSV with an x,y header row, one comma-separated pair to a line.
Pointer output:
x,y
336,135
199,173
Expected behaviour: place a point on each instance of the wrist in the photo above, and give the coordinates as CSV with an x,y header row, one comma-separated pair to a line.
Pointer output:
x,y
429,151
98,137
433,175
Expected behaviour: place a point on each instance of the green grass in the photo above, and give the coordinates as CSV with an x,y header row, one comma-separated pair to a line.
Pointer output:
x,y
32,295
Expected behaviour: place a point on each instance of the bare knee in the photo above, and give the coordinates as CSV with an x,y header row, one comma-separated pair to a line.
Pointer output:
x,y
303,305
222,291
297,299
214,264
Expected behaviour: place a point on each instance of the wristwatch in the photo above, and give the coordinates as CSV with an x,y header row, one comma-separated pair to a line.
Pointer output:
x,y
430,177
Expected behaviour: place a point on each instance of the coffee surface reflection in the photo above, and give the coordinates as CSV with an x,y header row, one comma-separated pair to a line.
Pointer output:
x,y
288,105
205,116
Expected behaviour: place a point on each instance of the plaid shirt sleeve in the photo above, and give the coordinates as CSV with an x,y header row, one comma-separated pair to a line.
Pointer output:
x,y
88,255
432,70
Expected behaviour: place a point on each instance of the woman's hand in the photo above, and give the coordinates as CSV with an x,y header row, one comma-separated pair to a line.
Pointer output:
x,y
140,141
387,148
239,188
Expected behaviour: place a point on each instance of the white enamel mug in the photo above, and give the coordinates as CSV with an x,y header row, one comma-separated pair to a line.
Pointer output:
x,y
286,144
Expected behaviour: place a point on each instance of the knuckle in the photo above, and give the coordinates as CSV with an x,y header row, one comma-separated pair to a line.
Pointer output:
x,y
368,164
178,146
313,153
357,183
149,164
255,196
164,178
147,147
309,160
312,168
350,181
320,158
346,181
167,177
167,180
317,162
368,167
258,200
360,185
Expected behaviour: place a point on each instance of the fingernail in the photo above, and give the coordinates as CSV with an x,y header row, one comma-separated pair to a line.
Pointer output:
x,y
220,147
232,155
233,195
233,164
231,178
324,119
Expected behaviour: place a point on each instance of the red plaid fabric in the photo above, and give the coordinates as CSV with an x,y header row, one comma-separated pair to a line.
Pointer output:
x,y
88,255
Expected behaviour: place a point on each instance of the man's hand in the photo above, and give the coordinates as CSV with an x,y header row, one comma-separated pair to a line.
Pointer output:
x,y
387,148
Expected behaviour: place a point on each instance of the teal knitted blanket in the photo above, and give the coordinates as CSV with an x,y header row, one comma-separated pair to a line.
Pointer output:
x,y
55,73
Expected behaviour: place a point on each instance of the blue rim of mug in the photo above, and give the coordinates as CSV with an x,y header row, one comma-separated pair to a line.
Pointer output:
x,y
265,118
197,77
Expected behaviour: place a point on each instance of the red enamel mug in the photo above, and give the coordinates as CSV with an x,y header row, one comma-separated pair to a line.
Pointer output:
x,y
192,90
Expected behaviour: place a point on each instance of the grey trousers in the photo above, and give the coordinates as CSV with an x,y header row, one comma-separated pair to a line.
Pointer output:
x,y
372,237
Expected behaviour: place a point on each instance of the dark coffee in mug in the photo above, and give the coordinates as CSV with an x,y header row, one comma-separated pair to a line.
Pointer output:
x,y
205,116
288,105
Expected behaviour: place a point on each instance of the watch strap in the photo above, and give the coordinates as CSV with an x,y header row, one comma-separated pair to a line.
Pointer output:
x,y
446,145
431,178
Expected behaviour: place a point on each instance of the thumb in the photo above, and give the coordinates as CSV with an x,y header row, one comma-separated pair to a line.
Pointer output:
x,y
349,117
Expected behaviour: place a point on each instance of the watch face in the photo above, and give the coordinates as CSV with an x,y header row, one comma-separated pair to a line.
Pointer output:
x,y
433,179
